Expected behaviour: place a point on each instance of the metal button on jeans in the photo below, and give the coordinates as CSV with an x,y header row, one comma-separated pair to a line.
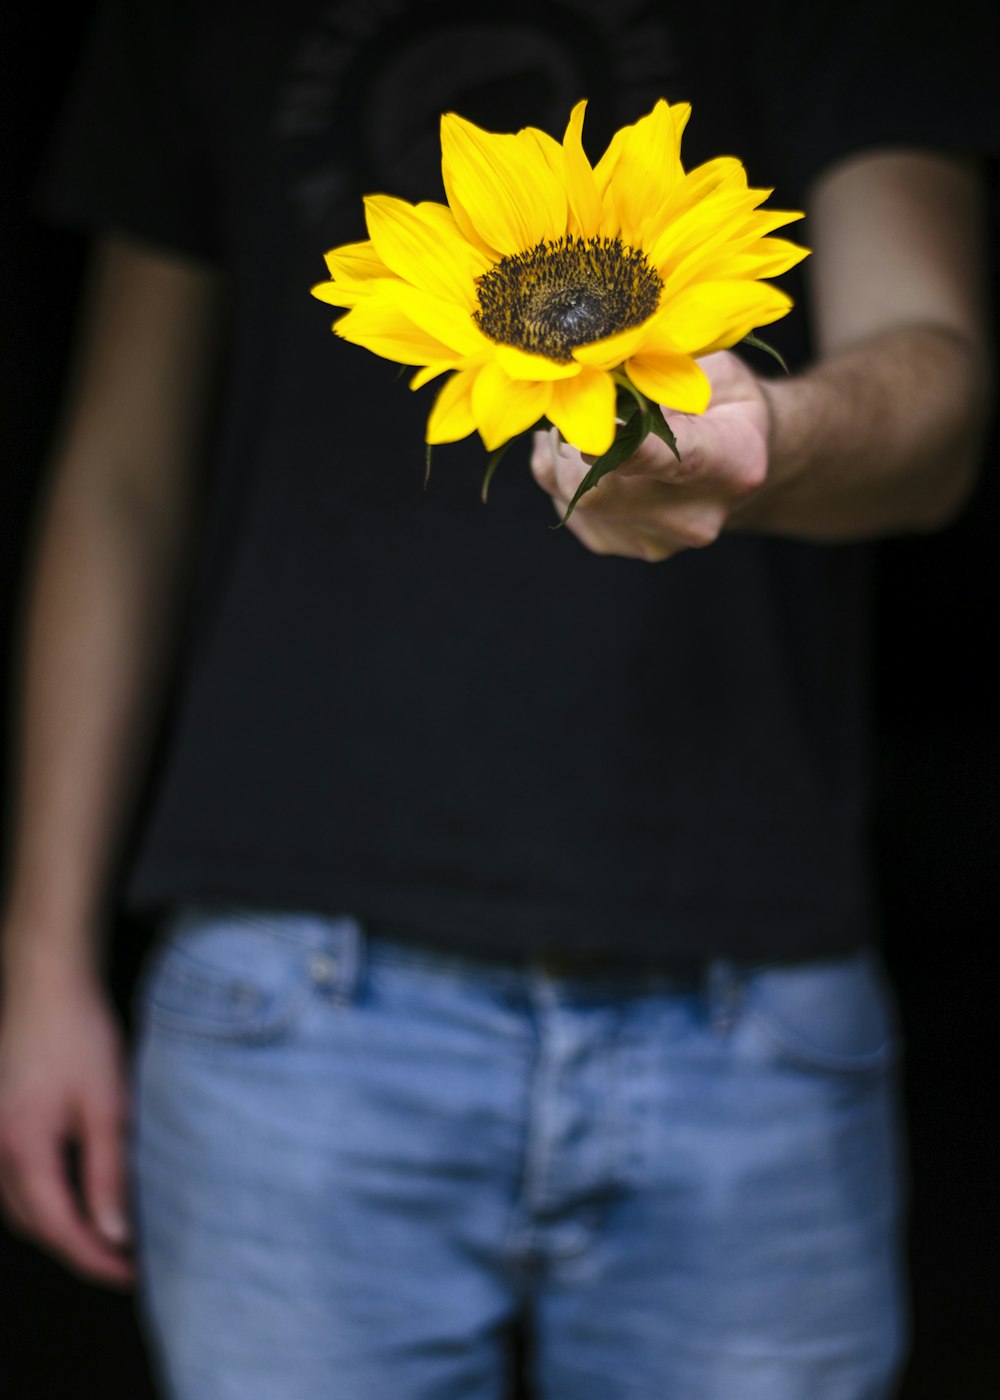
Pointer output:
x,y
323,969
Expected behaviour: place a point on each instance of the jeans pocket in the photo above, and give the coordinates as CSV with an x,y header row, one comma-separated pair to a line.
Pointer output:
x,y
228,975
835,1016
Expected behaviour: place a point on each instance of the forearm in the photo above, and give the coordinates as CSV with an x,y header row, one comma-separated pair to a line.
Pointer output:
x,y
105,591
882,438
104,596
97,634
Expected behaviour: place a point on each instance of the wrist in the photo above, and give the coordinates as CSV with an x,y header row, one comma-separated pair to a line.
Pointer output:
x,y
40,947
782,400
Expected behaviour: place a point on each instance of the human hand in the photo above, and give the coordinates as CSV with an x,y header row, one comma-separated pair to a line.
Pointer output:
x,y
61,1085
653,505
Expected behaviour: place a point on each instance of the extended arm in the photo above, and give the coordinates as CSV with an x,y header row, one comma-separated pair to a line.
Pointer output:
x,y
882,435
108,578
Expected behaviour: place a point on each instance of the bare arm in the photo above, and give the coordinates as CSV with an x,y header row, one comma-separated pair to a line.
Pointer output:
x,y
882,435
885,433
109,572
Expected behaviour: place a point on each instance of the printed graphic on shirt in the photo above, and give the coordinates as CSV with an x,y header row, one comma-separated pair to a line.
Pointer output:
x,y
358,109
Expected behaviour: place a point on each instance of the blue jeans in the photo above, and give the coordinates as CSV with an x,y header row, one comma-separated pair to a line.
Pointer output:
x,y
359,1163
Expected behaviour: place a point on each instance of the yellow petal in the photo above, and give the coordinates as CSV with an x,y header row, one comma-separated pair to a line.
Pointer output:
x,y
504,407
611,224
521,364
766,257
680,112
356,262
718,218
725,172
342,293
447,322
429,372
762,221
586,209
613,349
549,147
355,270
423,249
439,214
381,327
539,151
674,381
716,254
606,166
708,313
501,188
583,410
647,169
737,332
451,417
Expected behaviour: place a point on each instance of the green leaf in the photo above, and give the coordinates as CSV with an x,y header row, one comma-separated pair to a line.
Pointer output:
x,y
759,344
661,428
626,391
628,439
495,459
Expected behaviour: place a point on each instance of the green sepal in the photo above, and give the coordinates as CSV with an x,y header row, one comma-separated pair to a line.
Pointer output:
x,y
659,425
645,418
427,466
653,412
759,344
638,427
497,456
628,392
491,466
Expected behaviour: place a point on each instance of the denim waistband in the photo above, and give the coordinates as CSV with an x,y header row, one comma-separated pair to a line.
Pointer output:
x,y
559,961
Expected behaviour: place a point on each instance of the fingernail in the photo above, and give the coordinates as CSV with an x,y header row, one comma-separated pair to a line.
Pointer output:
x,y
113,1226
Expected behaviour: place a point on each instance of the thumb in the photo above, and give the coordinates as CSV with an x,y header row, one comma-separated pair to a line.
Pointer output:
x,y
104,1171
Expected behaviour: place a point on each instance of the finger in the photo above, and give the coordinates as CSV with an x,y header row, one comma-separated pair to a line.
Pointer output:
x,y
639,502
730,377
565,467
103,1174
624,541
651,530
543,460
44,1204
623,544
656,460
602,505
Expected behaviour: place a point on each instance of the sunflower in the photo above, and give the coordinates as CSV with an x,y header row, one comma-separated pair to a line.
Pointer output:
x,y
546,283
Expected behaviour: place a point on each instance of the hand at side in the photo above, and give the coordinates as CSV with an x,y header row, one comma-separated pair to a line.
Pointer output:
x,y
62,1085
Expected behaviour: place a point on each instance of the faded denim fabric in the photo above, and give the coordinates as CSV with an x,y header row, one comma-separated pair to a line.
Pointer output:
x,y
359,1162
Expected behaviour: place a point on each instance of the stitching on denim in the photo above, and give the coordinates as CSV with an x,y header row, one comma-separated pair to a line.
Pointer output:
x,y
264,1028
808,1057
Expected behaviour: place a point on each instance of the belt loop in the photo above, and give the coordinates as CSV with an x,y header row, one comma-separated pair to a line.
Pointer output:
x,y
724,993
337,964
352,948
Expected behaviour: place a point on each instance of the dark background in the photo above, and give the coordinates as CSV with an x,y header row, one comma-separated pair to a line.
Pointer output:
x,y
936,810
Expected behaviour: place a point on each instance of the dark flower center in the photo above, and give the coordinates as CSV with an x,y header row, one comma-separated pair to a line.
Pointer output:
x,y
559,295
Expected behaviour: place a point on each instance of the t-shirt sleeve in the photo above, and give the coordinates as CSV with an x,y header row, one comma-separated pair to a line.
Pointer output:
x,y
131,152
839,78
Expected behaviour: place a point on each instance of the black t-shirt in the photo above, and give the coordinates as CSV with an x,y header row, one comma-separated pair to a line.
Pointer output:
x,y
446,718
